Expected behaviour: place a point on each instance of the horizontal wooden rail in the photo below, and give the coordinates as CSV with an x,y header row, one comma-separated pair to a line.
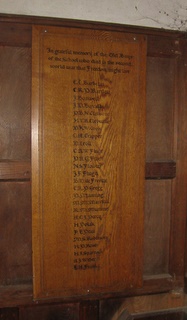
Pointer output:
x,y
160,170
15,170
21,170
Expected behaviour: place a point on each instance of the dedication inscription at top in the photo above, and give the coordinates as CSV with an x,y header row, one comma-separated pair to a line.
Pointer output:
x,y
88,161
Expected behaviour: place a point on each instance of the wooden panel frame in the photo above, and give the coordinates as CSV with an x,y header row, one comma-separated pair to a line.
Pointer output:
x,y
16,31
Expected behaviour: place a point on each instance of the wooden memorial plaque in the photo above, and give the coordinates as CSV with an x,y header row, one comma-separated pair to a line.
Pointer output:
x,y
88,161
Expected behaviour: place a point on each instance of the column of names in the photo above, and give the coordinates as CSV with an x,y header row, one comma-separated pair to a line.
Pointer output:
x,y
90,204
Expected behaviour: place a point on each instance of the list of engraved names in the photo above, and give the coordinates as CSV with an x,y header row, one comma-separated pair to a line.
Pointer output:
x,y
92,77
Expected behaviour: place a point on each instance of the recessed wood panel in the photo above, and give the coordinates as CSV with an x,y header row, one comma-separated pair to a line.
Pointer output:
x,y
88,165
160,108
15,93
15,233
157,227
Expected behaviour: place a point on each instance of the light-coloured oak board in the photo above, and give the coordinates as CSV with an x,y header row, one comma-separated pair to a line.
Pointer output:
x,y
88,161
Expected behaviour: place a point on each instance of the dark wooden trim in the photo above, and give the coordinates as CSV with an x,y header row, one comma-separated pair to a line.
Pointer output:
x,y
15,170
89,310
21,170
9,313
160,170
19,295
11,296
15,34
164,46
179,185
185,168
153,284
16,30
62,22
179,313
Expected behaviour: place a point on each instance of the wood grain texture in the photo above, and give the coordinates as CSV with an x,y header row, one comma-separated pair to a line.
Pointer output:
x,y
95,141
15,170
89,310
157,227
160,170
164,47
15,34
15,231
19,170
111,309
15,103
14,295
160,109
15,31
179,189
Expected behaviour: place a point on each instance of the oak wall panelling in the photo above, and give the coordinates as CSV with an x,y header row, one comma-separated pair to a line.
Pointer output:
x,y
88,126
165,173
